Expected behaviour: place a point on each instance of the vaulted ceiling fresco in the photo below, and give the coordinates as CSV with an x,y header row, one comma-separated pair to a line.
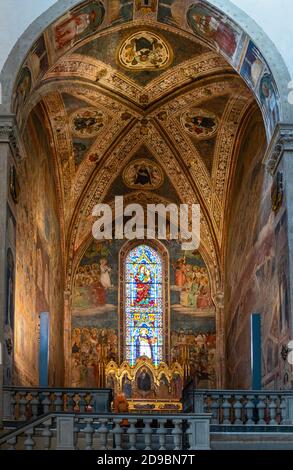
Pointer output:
x,y
128,86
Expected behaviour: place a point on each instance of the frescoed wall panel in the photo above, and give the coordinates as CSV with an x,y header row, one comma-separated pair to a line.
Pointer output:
x,y
257,275
95,312
39,258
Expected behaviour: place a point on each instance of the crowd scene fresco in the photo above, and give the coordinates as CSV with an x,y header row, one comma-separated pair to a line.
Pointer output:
x,y
196,351
192,282
92,348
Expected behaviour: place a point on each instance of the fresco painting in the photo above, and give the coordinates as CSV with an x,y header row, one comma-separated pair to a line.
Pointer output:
x,y
39,262
253,65
141,55
146,9
95,312
119,11
92,348
269,100
255,71
87,122
193,329
215,28
145,51
23,89
143,173
258,262
80,23
8,349
43,277
38,58
95,290
200,123
170,12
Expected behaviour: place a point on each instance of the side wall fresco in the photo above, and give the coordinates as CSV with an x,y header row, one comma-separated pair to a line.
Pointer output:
x,y
256,268
38,260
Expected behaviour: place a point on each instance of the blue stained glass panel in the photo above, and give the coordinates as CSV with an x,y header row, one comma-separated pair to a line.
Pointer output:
x,y
143,305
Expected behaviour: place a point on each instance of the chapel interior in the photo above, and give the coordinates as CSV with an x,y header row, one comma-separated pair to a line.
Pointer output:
x,y
152,111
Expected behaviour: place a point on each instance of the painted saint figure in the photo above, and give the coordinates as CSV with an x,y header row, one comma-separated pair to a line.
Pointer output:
x,y
204,23
143,280
72,28
143,344
105,273
144,381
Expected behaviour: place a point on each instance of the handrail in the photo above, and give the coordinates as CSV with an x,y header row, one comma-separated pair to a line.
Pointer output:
x,y
27,425
128,419
231,391
12,388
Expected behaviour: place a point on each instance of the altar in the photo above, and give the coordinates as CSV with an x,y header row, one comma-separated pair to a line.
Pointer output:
x,y
146,387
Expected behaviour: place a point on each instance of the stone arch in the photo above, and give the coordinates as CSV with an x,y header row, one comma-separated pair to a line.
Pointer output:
x,y
226,10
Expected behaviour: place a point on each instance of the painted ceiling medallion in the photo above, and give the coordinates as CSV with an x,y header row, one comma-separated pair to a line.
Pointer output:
x,y
200,123
87,122
143,173
145,51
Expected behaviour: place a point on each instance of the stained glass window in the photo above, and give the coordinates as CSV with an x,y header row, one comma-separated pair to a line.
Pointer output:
x,y
143,305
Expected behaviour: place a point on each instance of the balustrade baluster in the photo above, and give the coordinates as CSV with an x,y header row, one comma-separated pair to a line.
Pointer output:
x,y
282,408
103,432
206,405
162,431
237,407
22,406
261,407
47,434
70,402
147,431
214,406
249,407
58,402
46,402
273,410
177,433
88,433
90,402
35,402
132,431
29,443
13,403
226,407
117,431
82,402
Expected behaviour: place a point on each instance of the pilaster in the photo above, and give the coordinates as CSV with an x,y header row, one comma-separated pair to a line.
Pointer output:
x,y
8,148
